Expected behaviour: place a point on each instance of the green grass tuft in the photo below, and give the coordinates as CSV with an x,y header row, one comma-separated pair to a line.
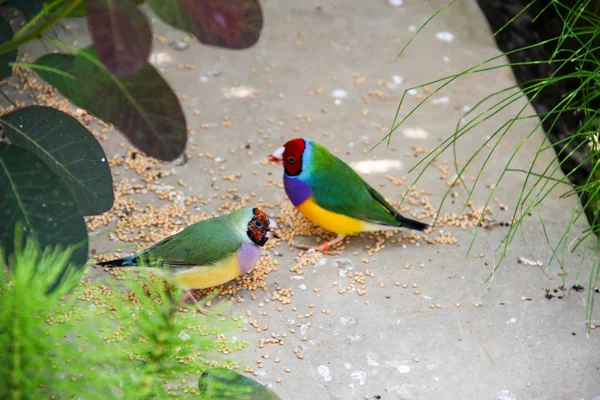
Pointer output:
x,y
583,28
99,341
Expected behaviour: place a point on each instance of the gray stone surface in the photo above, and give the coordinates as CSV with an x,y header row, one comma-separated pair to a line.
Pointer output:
x,y
359,350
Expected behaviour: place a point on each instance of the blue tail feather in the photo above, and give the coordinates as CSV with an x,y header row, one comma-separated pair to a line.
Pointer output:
x,y
129,261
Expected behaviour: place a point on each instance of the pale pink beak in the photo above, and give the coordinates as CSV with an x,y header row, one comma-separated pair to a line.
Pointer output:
x,y
277,155
272,226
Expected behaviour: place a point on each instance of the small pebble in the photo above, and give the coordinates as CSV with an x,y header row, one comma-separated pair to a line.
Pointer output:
x,y
179,45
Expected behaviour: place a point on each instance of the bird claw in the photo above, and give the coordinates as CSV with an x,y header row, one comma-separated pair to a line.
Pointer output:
x,y
325,248
188,295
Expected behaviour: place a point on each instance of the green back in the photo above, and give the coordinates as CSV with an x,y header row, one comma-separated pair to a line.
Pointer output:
x,y
338,188
204,243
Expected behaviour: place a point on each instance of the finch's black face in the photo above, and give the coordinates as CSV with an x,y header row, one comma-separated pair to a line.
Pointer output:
x,y
260,227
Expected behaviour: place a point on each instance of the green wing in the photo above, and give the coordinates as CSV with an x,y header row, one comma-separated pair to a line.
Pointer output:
x,y
337,188
204,243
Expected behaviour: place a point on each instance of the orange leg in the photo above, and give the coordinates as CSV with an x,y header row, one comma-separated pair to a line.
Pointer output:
x,y
325,248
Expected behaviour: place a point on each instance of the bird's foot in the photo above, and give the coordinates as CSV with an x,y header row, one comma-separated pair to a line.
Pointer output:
x,y
325,248
188,295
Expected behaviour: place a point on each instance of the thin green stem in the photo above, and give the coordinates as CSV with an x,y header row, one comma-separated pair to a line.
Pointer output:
x,y
20,39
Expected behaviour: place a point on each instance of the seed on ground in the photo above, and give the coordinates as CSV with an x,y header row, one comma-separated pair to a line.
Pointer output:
x,y
523,298
457,305
528,384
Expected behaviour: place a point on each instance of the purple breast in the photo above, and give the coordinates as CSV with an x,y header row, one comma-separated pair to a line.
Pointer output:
x,y
247,256
296,190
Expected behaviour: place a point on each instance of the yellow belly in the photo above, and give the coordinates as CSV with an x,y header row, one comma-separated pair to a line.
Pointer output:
x,y
209,276
331,221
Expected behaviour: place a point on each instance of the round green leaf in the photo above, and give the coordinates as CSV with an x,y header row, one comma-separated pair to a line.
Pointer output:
x,y
68,149
233,24
142,106
121,34
6,34
77,12
223,383
34,195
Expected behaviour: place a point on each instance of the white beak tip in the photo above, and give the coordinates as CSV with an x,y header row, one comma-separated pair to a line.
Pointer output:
x,y
277,155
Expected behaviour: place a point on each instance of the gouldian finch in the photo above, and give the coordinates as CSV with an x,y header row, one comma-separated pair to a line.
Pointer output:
x,y
210,252
225,384
332,195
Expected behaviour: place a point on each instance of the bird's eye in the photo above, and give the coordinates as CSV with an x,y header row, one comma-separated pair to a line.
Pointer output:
x,y
291,159
258,224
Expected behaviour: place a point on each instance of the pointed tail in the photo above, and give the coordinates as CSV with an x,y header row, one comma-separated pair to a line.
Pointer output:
x,y
119,262
411,223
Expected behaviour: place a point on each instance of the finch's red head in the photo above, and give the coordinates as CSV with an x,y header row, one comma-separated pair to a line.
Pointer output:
x,y
291,156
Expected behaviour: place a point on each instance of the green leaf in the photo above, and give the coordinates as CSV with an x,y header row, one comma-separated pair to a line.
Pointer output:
x,y
68,149
6,34
223,383
233,24
142,106
34,195
121,34
77,12
57,70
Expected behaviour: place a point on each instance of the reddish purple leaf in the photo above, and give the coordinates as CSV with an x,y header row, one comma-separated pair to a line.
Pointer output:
x,y
233,24
121,34
142,106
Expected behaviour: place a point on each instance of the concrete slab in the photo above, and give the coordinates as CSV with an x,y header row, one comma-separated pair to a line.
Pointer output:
x,y
327,71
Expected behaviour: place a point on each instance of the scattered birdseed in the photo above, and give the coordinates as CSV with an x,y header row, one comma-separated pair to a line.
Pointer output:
x,y
138,225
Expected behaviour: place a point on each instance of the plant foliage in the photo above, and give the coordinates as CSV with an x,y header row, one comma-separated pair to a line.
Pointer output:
x,y
581,26
99,343
52,170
